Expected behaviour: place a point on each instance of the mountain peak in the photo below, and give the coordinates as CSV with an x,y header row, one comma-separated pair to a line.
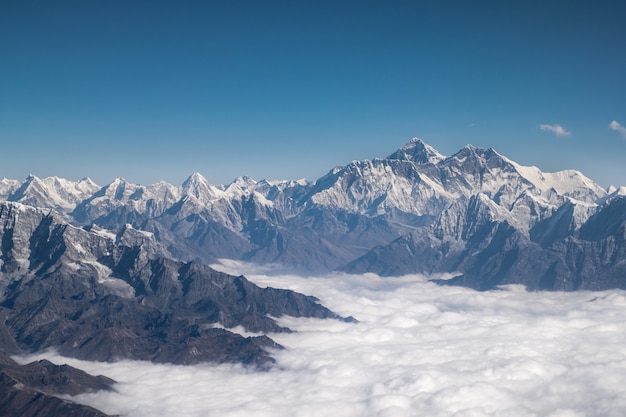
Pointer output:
x,y
417,151
117,181
195,178
198,186
243,181
87,180
479,154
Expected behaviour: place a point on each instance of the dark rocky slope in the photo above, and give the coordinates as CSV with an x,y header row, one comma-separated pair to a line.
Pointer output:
x,y
100,297
555,255
475,214
32,390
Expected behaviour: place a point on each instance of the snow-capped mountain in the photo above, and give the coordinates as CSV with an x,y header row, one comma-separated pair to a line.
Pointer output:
x,y
424,188
123,202
119,271
510,224
96,295
445,209
8,187
51,192
93,294
419,152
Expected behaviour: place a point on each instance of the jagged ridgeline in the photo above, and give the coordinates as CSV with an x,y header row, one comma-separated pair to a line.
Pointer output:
x,y
105,273
96,295
476,214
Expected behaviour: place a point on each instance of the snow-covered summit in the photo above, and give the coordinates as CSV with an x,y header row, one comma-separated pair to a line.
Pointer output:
x,y
8,187
418,181
417,151
569,182
53,192
133,200
198,187
613,193
341,215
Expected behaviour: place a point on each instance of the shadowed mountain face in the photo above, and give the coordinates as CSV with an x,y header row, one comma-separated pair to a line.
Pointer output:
x,y
88,295
555,254
32,389
95,295
105,273
475,214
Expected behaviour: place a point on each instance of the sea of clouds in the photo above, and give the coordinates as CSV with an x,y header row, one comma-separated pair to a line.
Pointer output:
x,y
419,349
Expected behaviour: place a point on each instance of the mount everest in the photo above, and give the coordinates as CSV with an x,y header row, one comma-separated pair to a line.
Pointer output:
x,y
476,214
105,273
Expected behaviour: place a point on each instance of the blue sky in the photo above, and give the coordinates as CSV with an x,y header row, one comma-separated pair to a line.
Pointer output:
x,y
156,90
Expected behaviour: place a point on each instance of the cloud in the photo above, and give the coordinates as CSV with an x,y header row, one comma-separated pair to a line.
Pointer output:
x,y
418,349
614,125
556,129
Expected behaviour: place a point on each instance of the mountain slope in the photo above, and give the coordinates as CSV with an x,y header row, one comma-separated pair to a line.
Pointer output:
x,y
32,389
52,192
483,251
97,296
413,211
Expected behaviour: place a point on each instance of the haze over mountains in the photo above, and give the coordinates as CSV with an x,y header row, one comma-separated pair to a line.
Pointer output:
x,y
120,271
476,214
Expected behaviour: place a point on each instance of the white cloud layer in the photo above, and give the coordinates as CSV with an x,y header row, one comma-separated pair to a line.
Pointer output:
x,y
419,349
614,125
556,129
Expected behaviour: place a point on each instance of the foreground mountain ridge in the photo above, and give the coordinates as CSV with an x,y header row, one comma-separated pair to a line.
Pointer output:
x,y
89,293
356,217
122,288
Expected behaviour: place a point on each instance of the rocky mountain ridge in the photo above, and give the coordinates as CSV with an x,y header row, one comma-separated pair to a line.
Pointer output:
x,y
34,389
89,293
348,216
124,290
104,273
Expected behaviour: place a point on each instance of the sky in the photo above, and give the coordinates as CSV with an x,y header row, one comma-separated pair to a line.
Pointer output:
x,y
418,349
157,90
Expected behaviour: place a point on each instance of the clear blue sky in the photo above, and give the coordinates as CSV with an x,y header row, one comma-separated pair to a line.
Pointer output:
x,y
156,90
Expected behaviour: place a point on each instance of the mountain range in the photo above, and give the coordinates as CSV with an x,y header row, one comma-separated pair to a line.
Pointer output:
x,y
89,293
120,271
475,215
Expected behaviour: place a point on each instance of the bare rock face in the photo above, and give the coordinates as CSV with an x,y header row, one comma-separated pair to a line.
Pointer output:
x,y
31,390
557,254
475,214
105,273
321,226
98,296
54,379
93,294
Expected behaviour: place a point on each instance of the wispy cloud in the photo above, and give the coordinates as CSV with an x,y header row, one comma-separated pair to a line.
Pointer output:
x,y
614,125
556,129
418,349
